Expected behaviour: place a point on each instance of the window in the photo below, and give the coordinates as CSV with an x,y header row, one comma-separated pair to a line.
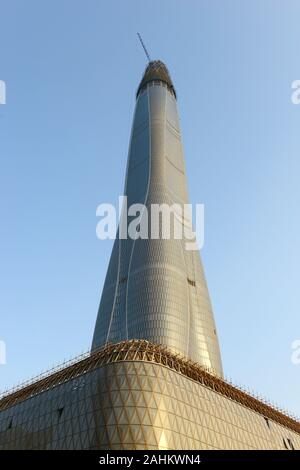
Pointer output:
x,y
60,411
192,283
122,280
285,444
267,422
290,444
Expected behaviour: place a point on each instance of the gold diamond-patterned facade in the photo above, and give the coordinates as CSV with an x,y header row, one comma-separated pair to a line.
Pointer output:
x,y
136,395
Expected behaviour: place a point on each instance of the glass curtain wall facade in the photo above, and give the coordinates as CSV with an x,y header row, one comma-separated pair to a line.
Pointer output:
x,y
155,289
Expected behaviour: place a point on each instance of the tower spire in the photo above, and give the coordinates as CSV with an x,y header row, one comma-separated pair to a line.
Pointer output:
x,y
144,47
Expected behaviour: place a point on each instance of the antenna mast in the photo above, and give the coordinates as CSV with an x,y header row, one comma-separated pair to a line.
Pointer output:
x,y
144,47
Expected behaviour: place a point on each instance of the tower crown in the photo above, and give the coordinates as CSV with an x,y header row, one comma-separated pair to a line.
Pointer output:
x,y
156,71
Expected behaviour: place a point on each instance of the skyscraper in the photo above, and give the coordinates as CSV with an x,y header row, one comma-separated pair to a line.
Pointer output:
x,y
155,289
153,379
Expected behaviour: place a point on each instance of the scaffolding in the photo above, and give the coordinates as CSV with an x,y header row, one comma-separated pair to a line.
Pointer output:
x,y
142,350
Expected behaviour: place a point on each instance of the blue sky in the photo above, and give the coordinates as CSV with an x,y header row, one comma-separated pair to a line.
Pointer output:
x,y
72,68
